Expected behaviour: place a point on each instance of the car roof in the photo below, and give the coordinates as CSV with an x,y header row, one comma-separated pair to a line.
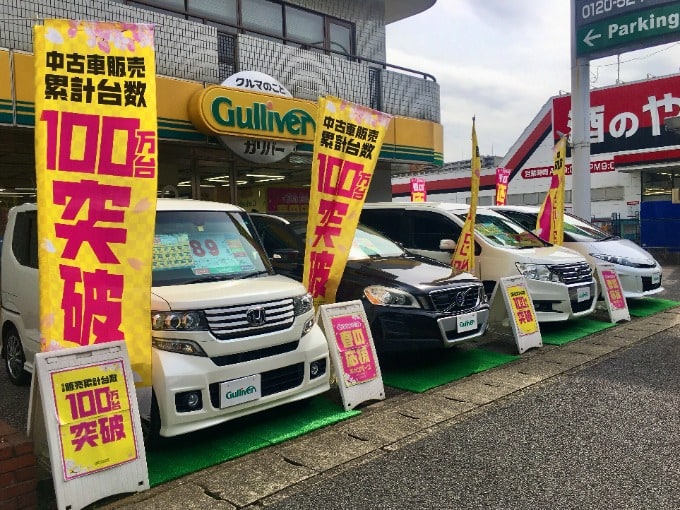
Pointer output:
x,y
520,208
449,206
186,204
169,204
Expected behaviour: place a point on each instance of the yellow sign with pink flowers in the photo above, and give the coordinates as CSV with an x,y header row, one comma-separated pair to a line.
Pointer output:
x,y
346,150
96,170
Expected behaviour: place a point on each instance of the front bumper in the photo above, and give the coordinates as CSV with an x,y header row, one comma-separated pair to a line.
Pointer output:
x,y
556,302
407,328
638,282
285,378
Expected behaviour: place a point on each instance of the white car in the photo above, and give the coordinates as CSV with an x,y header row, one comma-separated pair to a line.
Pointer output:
x,y
216,326
639,272
559,280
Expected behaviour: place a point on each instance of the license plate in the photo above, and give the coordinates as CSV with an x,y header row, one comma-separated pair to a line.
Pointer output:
x,y
238,391
656,278
467,322
582,294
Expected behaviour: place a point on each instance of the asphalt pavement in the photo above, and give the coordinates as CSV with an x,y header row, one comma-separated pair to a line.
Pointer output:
x,y
590,424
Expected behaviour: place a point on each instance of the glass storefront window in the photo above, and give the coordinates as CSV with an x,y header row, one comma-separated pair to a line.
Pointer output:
x,y
657,183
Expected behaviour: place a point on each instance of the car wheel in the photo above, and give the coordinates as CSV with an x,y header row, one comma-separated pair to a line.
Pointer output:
x,y
15,359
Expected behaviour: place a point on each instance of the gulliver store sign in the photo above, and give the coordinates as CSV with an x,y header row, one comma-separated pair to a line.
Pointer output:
x,y
220,110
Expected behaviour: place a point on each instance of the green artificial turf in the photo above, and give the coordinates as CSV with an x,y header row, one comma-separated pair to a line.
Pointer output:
x,y
649,306
559,333
179,456
421,372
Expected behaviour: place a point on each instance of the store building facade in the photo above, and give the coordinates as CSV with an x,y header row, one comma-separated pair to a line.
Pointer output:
x,y
257,56
634,161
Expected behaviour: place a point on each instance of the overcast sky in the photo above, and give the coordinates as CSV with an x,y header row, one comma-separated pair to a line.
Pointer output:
x,y
501,60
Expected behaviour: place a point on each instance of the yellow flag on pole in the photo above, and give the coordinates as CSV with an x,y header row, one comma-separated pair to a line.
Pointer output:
x,y
464,256
550,220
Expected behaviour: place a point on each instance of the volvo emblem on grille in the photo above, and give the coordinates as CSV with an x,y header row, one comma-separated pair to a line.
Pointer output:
x,y
256,316
458,300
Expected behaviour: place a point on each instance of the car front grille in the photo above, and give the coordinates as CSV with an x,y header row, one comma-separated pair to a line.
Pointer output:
x,y
242,357
457,299
648,285
272,381
573,273
233,322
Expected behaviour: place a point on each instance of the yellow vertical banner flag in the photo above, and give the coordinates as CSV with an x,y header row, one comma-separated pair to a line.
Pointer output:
x,y
96,172
550,220
464,256
346,149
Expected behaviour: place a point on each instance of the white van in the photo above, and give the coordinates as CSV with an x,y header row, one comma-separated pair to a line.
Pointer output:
x,y
212,331
559,280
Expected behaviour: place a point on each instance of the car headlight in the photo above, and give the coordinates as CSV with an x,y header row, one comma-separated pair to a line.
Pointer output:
x,y
303,304
179,321
539,272
623,261
179,346
385,296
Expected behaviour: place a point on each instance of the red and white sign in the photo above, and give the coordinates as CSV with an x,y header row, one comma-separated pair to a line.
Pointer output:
x,y
546,171
418,190
626,117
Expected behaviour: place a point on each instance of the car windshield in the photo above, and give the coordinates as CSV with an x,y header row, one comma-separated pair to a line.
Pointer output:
x,y
575,229
196,246
582,231
504,232
368,243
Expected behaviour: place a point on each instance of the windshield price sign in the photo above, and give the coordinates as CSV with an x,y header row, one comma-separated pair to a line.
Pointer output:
x,y
607,27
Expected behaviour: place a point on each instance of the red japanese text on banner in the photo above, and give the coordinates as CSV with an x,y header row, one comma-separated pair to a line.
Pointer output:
x,y
346,149
96,166
464,256
418,190
550,221
502,177
358,364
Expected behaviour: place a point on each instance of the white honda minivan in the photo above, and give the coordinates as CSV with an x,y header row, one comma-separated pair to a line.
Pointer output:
x,y
217,323
559,280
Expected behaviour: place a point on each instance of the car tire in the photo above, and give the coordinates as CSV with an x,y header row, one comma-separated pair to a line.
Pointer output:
x,y
15,359
151,429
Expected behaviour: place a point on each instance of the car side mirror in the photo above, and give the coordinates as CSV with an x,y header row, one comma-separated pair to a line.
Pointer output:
x,y
447,244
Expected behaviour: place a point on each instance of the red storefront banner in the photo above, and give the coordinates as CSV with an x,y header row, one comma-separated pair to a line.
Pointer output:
x,y
626,117
289,200
596,167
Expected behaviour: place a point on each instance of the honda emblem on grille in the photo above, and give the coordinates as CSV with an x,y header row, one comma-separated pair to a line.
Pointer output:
x,y
256,316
